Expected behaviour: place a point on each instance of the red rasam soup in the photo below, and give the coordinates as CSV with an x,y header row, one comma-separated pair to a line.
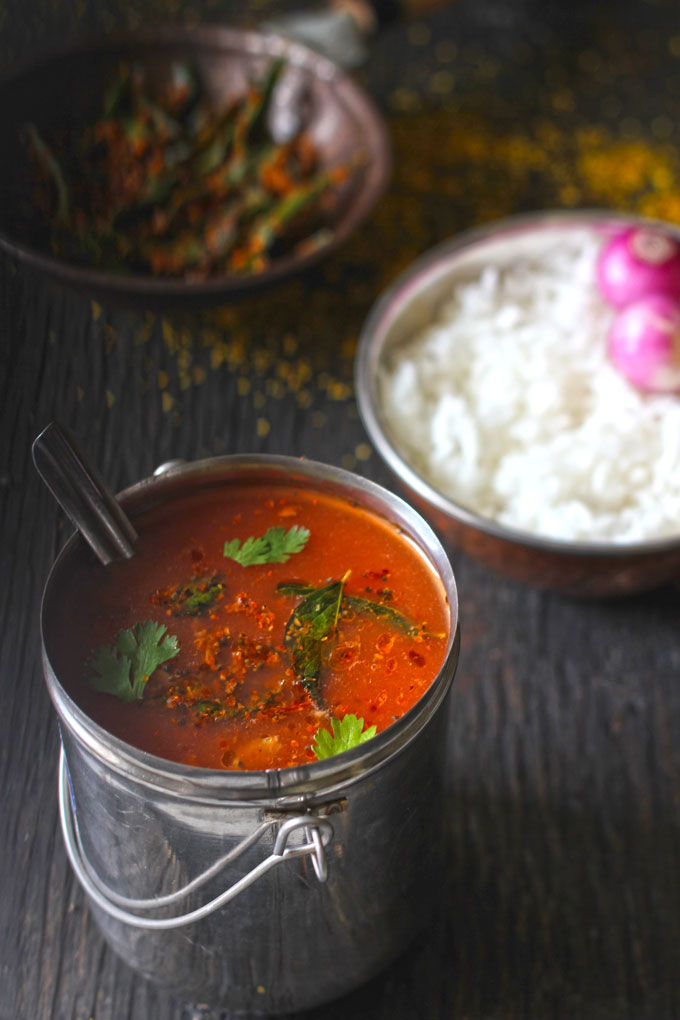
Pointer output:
x,y
259,625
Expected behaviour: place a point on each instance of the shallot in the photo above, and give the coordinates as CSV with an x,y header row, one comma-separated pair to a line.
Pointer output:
x,y
644,343
637,262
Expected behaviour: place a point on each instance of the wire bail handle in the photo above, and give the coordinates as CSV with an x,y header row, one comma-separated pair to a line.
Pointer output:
x,y
317,831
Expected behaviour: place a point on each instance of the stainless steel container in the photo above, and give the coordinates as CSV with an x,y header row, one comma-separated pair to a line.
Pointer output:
x,y
263,892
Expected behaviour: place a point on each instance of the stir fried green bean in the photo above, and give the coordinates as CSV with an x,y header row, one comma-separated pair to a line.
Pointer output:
x,y
165,182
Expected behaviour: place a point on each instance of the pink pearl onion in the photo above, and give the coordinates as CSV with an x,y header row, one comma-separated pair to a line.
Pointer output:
x,y
636,262
644,343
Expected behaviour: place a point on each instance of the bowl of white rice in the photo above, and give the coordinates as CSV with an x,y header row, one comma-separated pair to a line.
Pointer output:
x,y
484,382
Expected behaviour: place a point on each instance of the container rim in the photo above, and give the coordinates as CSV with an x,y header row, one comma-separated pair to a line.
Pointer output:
x,y
436,262
276,788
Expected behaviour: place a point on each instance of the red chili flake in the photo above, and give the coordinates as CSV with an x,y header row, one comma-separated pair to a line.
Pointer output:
x,y
385,643
264,617
346,653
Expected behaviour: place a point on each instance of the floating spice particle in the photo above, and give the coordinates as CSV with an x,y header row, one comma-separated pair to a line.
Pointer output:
x,y
191,598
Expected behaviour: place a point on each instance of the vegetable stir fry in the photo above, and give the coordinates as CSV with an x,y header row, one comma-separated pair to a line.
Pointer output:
x,y
167,183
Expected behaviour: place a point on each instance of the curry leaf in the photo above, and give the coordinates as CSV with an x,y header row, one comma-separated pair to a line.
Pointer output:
x,y
123,668
295,588
276,546
381,612
347,732
356,604
312,624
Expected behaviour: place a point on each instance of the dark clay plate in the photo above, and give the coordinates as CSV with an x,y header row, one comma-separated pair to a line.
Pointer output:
x,y
66,88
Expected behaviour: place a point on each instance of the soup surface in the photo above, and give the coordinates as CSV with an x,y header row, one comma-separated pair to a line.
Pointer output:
x,y
345,616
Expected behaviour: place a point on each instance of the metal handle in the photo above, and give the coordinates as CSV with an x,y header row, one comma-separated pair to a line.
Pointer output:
x,y
318,833
81,492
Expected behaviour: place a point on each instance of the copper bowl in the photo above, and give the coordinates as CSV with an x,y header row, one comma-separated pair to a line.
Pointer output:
x,y
65,90
574,568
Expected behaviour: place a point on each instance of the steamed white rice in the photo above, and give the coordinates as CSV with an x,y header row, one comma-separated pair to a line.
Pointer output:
x,y
507,403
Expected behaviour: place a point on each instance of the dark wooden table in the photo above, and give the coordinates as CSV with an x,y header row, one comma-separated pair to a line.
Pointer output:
x,y
562,893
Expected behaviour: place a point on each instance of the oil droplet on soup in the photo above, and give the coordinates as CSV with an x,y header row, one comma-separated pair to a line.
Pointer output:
x,y
354,620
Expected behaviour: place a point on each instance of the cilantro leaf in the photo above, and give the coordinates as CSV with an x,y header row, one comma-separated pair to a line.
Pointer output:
x,y
276,546
123,668
348,732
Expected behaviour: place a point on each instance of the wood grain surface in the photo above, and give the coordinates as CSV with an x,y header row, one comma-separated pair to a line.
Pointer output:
x,y
561,897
